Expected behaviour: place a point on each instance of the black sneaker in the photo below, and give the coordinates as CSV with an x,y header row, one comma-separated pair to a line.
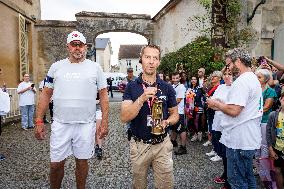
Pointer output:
x,y
96,149
174,142
181,150
100,153
2,157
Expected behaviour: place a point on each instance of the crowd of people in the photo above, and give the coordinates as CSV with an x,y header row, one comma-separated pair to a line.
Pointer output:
x,y
237,110
231,110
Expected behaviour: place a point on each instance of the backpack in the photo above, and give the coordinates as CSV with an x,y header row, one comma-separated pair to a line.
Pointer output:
x,y
189,103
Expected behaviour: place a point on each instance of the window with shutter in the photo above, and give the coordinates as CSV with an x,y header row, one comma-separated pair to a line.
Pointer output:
x,y
23,47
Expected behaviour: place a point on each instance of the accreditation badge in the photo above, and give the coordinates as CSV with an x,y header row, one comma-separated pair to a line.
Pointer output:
x,y
149,121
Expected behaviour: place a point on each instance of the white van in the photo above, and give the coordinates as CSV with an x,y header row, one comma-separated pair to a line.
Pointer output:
x,y
116,78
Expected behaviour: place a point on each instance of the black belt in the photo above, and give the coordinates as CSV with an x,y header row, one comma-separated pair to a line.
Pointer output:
x,y
154,140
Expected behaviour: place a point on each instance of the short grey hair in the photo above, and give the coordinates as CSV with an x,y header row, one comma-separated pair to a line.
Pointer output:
x,y
266,74
217,73
240,53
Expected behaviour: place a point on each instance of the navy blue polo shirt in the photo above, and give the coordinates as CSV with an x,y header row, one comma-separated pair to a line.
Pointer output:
x,y
133,90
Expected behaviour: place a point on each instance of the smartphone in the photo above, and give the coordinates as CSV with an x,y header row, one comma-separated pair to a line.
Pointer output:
x,y
261,60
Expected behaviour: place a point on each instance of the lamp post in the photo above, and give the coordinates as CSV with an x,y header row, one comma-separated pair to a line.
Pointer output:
x,y
249,18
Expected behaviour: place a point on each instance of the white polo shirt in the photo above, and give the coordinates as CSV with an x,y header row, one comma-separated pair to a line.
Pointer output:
x,y
180,93
75,90
28,97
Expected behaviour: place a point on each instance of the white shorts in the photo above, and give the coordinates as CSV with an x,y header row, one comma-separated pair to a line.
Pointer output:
x,y
68,139
98,114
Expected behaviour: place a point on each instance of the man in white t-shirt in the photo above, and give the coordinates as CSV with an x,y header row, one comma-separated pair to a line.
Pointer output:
x,y
26,91
180,127
73,83
241,123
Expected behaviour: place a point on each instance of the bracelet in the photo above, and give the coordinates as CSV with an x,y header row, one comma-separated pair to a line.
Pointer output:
x,y
39,122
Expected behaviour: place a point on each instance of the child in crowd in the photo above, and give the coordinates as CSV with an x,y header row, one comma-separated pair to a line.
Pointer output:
x,y
275,140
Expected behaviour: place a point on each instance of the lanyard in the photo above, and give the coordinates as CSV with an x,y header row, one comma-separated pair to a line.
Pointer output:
x,y
177,85
149,102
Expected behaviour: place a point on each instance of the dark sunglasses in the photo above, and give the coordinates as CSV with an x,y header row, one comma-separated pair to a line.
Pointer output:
x,y
74,44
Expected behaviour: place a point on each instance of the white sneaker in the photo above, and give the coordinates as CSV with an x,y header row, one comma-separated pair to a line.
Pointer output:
x,y
216,158
199,136
207,143
194,138
212,153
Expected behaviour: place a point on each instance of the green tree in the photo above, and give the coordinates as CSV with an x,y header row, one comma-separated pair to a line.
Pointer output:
x,y
192,56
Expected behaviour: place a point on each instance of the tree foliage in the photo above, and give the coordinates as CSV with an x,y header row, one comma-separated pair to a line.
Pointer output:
x,y
237,34
199,53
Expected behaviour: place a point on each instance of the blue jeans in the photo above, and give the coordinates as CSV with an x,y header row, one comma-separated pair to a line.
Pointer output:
x,y
240,168
27,116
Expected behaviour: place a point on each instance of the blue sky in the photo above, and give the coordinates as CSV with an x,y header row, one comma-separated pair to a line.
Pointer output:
x,y
66,10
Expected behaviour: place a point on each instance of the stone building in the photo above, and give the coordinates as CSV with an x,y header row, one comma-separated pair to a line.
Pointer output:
x,y
29,44
103,53
18,52
268,24
174,27
128,57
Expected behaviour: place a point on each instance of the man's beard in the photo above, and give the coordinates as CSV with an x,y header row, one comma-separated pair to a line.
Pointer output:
x,y
78,55
150,73
235,72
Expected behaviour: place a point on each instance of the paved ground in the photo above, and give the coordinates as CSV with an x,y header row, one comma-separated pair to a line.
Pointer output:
x,y
27,163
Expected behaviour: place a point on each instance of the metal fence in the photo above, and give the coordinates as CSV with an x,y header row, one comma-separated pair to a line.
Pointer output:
x,y
14,107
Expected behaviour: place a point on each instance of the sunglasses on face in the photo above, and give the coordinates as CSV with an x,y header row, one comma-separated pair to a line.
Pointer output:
x,y
77,44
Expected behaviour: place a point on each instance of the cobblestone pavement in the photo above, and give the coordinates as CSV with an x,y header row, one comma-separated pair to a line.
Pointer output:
x,y
27,162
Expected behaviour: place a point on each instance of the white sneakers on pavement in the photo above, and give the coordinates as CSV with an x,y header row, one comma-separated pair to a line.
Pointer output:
x,y
207,143
212,153
216,158
199,136
194,138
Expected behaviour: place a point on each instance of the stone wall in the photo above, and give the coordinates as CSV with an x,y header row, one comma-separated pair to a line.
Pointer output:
x,y
171,28
9,37
51,45
29,8
174,26
278,44
51,35
267,19
92,24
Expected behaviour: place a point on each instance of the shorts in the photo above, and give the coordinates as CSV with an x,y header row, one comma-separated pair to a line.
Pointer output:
x,y
98,114
280,161
180,126
67,139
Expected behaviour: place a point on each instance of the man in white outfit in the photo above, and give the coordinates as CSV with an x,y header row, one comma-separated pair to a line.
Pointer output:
x,y
26,91
241,131
73,83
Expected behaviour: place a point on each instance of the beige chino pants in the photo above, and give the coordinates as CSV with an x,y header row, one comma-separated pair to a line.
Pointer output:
x,y
160,156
